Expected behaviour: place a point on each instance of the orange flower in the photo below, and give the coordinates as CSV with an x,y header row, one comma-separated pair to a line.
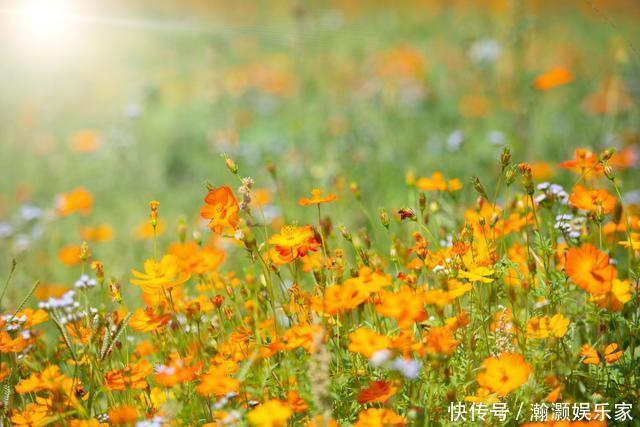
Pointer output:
x,y
379,417
366,342
584,162
352,293
544,327
85,141
70,255
218,381
176,371
611,353
8,344
34,415
615,298
541,171
296,403
292,243
195,259
272,413
440,340
78,200
437,182
554,77
404,305
590,269
145,320
317,198
299,336
100,233
591,357
144,231
592,200
401,63
504,374
160,276
221,209
132,376
377,391
122,415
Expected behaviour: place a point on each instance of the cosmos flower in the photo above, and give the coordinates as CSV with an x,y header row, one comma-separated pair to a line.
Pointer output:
x,y
592,200
366,342
379,417
553,78
437,182
377,391
504,373
159,276
590,269
317,198
78,200
292,243
272,413
221,209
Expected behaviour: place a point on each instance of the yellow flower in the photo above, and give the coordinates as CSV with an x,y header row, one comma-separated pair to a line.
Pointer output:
x,y
160,276
543,327
272,413
34,415
379,417
616,298
437,182
366,342
504,373
477,274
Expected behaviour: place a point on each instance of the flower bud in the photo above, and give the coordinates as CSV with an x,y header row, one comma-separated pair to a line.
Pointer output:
x,y
384,218
231,165
84,251
182,230
355,189
510,176
153,205
114,291
505,157
608,172
347,236
607,154
478,186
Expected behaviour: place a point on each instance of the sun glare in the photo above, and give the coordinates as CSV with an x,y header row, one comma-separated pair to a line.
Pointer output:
x,y
44,23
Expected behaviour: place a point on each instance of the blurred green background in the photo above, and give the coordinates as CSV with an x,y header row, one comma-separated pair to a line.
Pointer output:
x,y
136,100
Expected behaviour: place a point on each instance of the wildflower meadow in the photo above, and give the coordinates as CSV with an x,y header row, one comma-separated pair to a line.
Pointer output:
x,y
343,213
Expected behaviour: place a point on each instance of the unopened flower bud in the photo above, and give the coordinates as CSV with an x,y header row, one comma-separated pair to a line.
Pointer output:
x,y
609,173
422,201
271,168
99,268
478,187
606,154
345,233
153,205
231,165
510,176
84,251
114,291
505,157
182,230
355,189
617,213
384,218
